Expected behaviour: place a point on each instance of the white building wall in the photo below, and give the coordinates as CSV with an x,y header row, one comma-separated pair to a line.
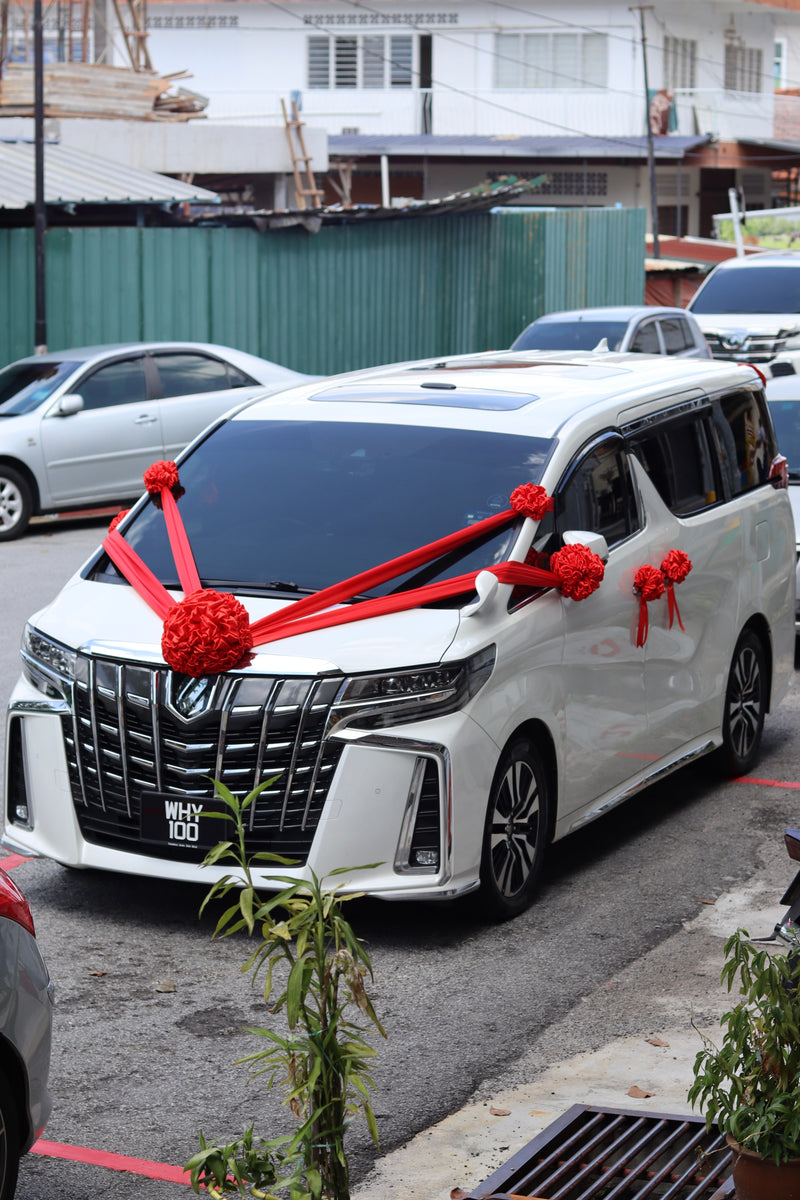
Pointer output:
x,y
245,55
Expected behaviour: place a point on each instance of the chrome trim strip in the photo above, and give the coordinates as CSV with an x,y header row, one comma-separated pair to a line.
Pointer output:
x,y
154,678
54,708
402,855
123,735
96,731
267,709
76,737
313,688
648,780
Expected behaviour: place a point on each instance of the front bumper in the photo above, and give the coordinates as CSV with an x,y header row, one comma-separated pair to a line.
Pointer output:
x,y
369,815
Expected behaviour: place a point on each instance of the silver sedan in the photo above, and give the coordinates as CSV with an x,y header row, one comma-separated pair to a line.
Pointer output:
x,y
79,427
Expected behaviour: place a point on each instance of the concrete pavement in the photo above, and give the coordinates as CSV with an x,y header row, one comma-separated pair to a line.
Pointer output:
x,y
652,1003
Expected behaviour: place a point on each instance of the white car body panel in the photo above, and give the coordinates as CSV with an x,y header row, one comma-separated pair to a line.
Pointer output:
x,y
616,714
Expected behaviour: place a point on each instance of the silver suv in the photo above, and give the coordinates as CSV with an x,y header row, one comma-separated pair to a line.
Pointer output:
x,y
749,310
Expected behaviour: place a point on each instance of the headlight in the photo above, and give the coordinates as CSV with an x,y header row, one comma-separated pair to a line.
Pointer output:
x,y
46,664
375,701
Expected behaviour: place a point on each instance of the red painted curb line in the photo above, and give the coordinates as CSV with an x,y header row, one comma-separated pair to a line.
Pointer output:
x,y
113,1162
780,783
13,860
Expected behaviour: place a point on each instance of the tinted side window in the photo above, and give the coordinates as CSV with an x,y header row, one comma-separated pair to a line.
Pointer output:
x,y
676,335
187,374
116,383
237,378
678,460
745,439
598,495
646,339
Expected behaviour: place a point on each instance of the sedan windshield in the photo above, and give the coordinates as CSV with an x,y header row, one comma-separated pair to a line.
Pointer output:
x,y
750,290
24,386
293,506
570,335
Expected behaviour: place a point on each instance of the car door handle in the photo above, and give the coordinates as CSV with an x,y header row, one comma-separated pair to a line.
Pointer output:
x,y
144,419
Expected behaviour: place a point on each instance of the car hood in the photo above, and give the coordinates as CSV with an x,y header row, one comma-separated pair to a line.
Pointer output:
x,y
111,619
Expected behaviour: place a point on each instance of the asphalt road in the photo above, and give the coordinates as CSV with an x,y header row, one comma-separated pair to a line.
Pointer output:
x,y
138,1071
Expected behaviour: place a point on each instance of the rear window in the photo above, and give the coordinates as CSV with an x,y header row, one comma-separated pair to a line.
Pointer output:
x,y
786,419
570,335
750,289
308,503
745,439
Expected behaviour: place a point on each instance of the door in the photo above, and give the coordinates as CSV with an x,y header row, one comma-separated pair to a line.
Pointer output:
x,y
605,711
100,453
686,663
195,389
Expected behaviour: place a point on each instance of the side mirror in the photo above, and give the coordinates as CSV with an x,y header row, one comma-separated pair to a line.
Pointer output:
x,y
68,405
595,541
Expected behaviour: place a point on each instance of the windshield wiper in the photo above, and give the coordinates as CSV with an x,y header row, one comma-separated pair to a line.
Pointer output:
x,y
794,475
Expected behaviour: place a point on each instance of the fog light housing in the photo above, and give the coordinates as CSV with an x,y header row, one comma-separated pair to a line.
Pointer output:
x,y
21,814
425,858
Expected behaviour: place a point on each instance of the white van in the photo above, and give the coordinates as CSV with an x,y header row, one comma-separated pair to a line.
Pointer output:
x,y
450,734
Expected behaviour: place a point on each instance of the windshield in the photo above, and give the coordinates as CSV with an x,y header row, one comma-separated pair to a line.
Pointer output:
x,y
786,419
750,289
298,505
571,335
24,386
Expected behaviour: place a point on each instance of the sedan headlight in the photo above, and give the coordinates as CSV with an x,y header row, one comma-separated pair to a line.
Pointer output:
x,y
48,665
375,701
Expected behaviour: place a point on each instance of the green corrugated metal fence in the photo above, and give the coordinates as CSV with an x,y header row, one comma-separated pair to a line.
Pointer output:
x,y
350,296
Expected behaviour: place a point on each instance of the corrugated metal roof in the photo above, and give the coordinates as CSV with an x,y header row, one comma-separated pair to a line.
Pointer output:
x,y
363,145
74,177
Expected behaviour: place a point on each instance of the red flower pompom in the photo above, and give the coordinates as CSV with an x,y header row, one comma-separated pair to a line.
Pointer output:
x,y
206,633
159,476
579,571
531,500
123,512
648,582
676,566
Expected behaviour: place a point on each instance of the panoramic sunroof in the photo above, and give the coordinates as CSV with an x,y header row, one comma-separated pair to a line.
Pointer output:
x,y
432,394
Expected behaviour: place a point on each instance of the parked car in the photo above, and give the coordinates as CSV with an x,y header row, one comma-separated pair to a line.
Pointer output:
x,y
749,310
644,329
783,396
447,734
26,1012
80,426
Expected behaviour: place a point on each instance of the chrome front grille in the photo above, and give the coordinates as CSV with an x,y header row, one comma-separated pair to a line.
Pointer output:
x,y
753,348
139,732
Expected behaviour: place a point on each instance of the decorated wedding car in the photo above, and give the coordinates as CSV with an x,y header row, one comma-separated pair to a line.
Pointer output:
x,y
446,612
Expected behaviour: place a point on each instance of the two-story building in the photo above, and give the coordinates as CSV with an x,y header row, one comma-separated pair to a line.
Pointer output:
x,y
418,99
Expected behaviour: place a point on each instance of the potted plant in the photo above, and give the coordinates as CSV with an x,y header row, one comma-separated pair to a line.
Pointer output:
x,y
749,1086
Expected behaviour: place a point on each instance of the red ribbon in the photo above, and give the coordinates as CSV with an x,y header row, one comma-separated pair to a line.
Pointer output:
x,y
582,573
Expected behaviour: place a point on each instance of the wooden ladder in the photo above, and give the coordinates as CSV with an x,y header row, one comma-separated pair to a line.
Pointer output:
x,y
301,162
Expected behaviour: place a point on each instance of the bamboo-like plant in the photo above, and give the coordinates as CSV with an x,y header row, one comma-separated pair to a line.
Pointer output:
x,y
750,1085
314,970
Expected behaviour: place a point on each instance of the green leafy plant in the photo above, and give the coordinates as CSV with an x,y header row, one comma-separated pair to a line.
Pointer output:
x,y
750,1085
314,971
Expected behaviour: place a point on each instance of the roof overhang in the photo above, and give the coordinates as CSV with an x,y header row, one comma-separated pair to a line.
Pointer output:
x,y
73,177
366,146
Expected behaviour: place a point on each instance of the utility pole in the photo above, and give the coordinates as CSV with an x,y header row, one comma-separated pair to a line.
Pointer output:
x,y
39,212
651,160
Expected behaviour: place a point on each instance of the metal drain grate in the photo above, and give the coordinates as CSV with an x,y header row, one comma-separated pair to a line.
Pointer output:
x,y
616,1154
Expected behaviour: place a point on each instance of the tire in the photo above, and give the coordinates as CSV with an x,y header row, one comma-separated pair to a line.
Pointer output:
x,y
746,697
9,1141
516,830
16,504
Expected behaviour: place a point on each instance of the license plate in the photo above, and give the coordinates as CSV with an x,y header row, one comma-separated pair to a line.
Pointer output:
x,y
179,821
